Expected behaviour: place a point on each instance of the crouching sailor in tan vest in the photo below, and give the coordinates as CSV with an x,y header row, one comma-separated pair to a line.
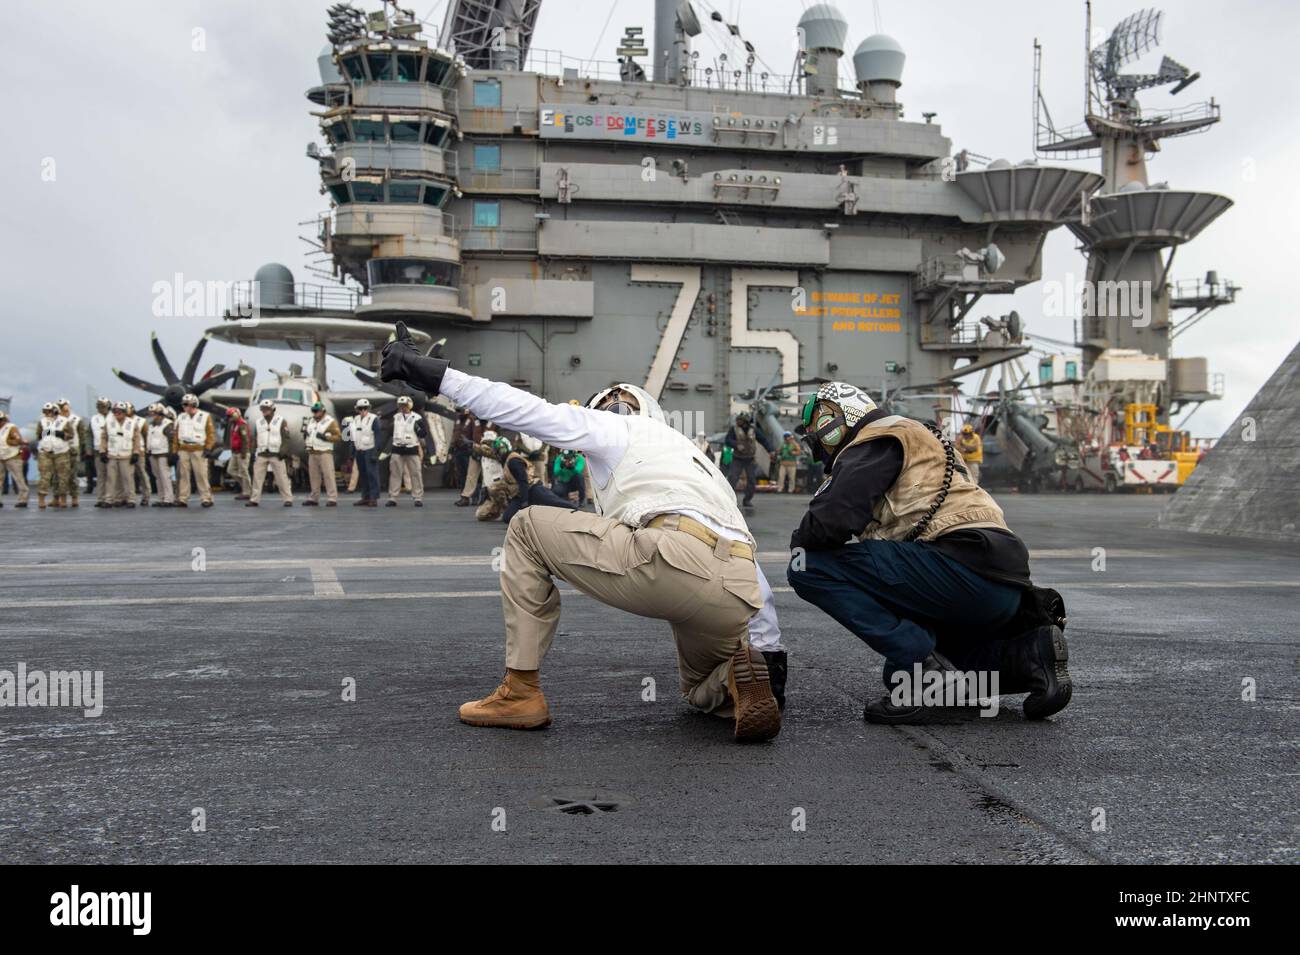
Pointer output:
x,y
934,582
668,543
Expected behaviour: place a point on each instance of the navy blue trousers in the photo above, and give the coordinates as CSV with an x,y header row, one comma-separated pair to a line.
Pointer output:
x,y
368,479
905,599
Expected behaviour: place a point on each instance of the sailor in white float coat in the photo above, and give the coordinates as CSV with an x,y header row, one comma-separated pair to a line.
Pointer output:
x,y
668,542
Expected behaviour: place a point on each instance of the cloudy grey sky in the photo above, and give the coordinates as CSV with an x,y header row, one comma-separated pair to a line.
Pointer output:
x,y
168,160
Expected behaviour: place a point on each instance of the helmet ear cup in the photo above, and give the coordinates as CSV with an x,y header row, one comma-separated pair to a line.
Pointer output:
x,y
824,417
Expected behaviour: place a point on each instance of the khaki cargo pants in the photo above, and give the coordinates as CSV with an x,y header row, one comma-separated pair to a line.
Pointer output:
x,y
320,473
237,470
406,466
263,463
14,468
120,474
195,464
704,593
101,479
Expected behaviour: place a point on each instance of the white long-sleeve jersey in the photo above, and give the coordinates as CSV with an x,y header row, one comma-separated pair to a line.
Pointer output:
x,y
603,437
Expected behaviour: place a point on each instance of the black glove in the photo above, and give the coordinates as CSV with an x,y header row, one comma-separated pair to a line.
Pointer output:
x,y
403,362
173,459
283,457
135,459
103,455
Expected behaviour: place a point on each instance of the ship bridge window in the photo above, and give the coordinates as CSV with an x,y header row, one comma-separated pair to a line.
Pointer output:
x,y
266,394
413,272
408,68
487,158
338,133
487,215
368,130
487,93
340,193
434,194
437,71
292,396
403,192
353,67
381,66
367,192
406,132
435,134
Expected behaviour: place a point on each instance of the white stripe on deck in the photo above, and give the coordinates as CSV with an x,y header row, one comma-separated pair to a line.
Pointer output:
x,y
182,564
324,582
339,594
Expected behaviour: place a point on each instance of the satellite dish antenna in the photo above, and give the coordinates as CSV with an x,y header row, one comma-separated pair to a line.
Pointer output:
x,y
993,258
687,18
1015,327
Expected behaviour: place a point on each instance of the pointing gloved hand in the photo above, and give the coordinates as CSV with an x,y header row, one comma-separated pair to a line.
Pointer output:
x,y
403,362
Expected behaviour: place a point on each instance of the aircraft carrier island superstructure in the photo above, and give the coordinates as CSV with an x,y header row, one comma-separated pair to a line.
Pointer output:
x,y
711,230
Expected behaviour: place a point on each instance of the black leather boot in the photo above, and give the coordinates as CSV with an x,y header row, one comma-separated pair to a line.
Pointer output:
x,y
1035,663
884,709
776,660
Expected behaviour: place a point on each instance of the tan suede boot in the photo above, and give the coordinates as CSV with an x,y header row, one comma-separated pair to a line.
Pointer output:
x,y
40,501
758,717
516,704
